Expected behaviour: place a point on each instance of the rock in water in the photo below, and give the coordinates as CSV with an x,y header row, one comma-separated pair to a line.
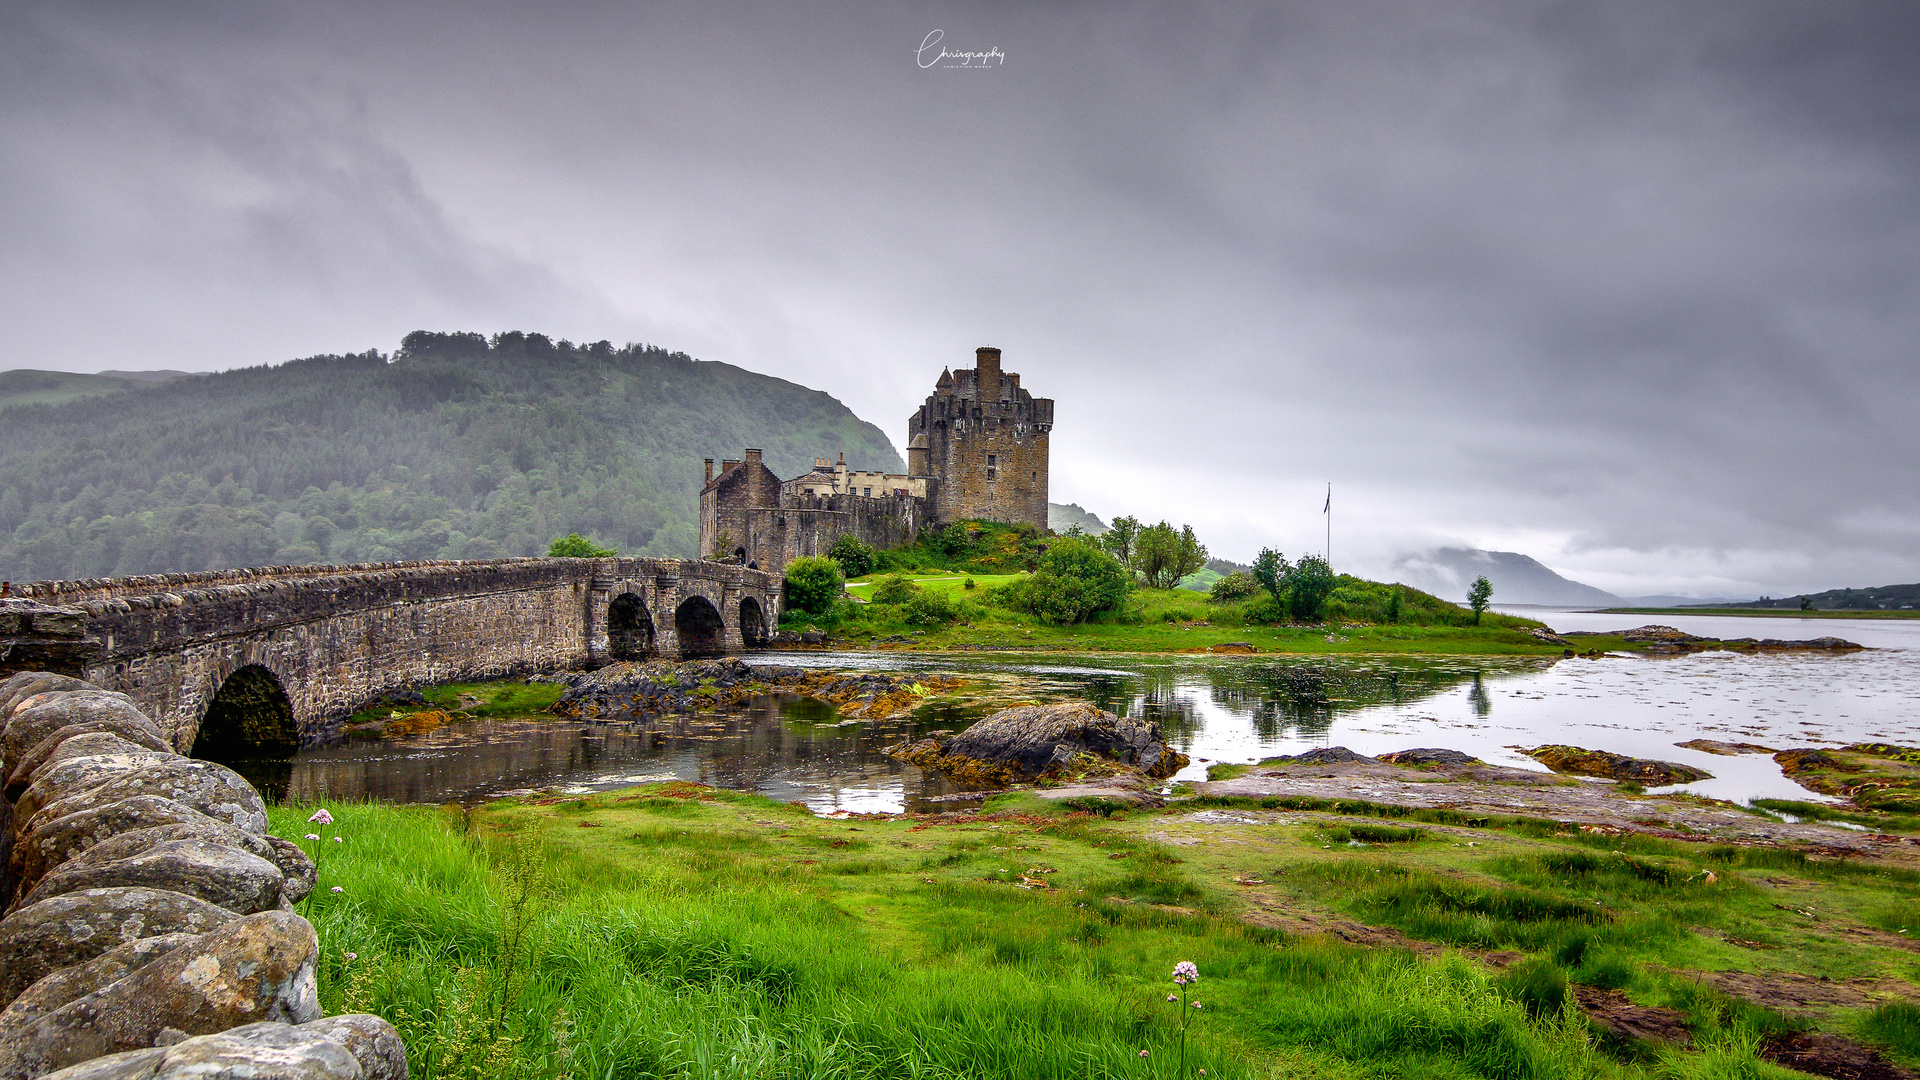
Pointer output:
x,y
1583,762
1034,741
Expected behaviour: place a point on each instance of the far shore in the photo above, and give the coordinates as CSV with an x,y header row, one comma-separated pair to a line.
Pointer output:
x,y
1765,613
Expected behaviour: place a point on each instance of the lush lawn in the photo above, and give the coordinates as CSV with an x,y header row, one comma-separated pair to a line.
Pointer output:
x,y
677,931
1164,620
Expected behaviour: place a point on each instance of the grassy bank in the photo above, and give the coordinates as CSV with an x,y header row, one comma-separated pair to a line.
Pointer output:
x,y
678,931
1156,620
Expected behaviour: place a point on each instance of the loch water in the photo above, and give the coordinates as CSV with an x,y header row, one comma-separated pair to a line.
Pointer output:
x,y
1213,708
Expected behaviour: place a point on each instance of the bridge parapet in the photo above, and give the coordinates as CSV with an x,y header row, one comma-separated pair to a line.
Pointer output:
x,y
339,637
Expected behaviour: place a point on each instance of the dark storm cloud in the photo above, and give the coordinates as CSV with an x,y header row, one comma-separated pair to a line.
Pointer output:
x,y
1626,286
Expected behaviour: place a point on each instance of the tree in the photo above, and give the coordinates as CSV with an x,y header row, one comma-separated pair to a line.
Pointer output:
x,y
1118,540
1271,570
575,546
855,556
1163,556
1234,586
894,589
1076,581
814,585
1478,595
1309,584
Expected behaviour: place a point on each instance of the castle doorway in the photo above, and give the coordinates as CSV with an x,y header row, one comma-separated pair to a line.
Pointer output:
x,y
629,628
698,625
753,623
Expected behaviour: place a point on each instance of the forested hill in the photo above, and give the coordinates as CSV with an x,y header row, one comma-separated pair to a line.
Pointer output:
x,y
455,447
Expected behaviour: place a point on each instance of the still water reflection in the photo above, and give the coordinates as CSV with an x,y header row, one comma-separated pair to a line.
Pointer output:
x,y
1213,708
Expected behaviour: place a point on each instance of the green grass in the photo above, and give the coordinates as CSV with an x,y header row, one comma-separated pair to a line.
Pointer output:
x,y
679,931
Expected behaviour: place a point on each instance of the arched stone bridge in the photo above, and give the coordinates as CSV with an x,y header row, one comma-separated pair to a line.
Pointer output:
x,y
276,657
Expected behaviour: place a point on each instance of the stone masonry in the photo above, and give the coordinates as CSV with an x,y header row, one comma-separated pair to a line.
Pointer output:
x,y
976,450
338,638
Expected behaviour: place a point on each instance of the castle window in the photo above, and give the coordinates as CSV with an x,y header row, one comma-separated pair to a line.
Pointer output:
x,y
866,492
990,466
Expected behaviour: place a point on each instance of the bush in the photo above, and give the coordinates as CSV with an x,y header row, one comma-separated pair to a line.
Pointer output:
x,y
814,584
1238,586
929,609
894,589
575,546
1309,583
855,556
1075,582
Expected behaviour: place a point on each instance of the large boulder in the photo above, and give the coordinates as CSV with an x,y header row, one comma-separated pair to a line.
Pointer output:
x,y
78,981
75,775
371,1040
214,790
62,931
298,873
256,968
61,744
1033,741
263,1051
54,842
90,744
18,687
38,717
218,873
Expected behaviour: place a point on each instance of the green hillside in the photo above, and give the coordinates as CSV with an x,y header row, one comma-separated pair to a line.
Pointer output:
x,y
54,387
1878,598
455,447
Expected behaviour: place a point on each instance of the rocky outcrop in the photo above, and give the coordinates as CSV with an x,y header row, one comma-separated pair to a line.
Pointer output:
x,y
1583,762
645,691
1032,742
149,928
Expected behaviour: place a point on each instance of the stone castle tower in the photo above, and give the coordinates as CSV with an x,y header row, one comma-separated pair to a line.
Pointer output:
x,y
984,440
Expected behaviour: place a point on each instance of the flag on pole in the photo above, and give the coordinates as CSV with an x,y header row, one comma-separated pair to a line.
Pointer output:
x,y
1328,509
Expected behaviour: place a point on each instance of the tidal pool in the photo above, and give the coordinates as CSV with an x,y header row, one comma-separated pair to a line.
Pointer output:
x,y
1215,709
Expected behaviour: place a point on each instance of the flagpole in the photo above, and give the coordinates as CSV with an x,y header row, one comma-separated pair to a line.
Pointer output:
x,y
1328,510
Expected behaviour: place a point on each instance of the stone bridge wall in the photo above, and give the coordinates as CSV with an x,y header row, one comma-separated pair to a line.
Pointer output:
x,y
340,637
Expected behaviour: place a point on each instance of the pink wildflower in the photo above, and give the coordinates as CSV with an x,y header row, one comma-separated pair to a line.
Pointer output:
x,y
1196,1004
337,888
1184,972
1143,1053
339,840
1173,997
353,956
322,816
313,836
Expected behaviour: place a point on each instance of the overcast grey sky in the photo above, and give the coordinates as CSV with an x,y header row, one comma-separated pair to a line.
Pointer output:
x,y
1629,287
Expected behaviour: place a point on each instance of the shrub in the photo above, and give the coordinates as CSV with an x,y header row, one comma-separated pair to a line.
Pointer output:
x,y
930,609
1075,582
1238,586
855,556
814,584
894,589
1309,583
575,546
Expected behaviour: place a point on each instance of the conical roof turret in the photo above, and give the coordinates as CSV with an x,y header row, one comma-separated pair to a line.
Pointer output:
x,y
946,380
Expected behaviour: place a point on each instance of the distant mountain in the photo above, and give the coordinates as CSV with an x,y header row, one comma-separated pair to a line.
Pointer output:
x,y
27,387
1061,517
1516,578
1879,598
456,446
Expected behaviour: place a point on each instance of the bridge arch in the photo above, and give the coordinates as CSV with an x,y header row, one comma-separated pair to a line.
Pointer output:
x,y
698,627
249,716
753,624
630,633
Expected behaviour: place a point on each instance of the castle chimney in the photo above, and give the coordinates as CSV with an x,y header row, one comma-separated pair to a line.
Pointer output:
x,y
987,359
753,458
727,464
709,470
